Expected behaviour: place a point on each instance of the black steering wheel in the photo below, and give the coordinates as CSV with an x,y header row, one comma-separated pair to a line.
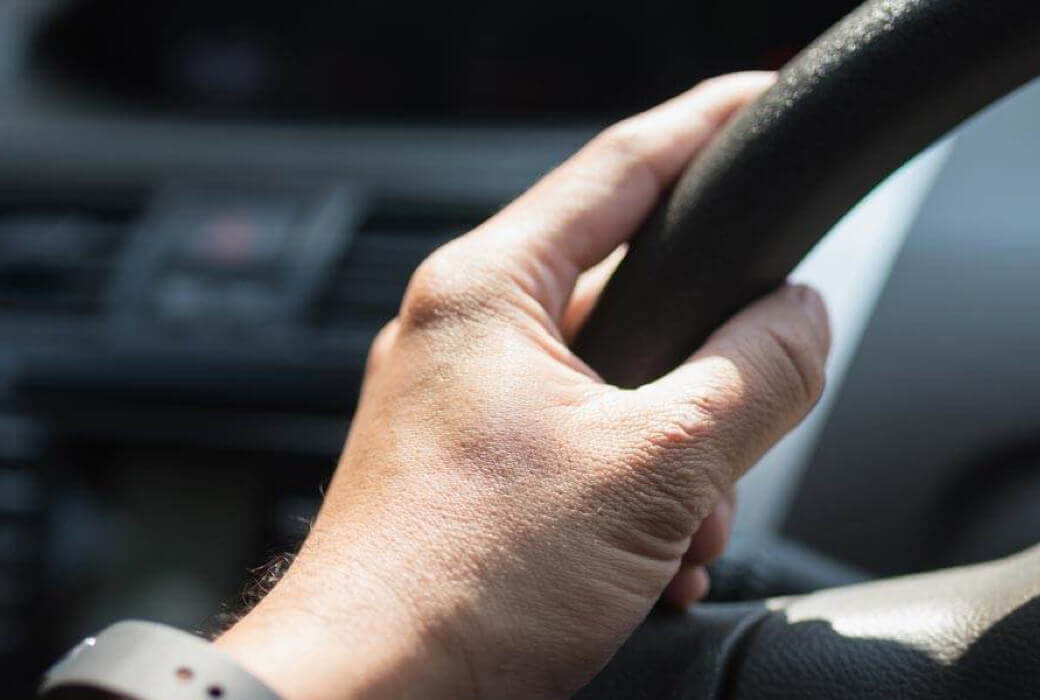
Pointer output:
x,y
876,89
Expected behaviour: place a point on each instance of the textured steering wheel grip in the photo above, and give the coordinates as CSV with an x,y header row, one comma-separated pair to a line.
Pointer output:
x,y
963,633
869,94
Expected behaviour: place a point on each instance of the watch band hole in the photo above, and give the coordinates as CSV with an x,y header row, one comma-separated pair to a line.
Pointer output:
x,y
184,674
215,691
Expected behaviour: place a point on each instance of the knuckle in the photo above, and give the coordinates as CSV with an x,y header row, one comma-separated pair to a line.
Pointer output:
x,y
444,286
381,344
686,425
623,142
700,423
623,137
713,82
626,146
385,335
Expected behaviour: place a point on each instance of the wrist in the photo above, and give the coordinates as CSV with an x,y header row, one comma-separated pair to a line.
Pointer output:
x,y
309,638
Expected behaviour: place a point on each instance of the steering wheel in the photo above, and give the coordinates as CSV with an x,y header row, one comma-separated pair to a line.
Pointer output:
x,y
876,89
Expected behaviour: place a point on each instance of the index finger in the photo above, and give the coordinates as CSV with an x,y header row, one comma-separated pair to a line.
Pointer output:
x,y
575,216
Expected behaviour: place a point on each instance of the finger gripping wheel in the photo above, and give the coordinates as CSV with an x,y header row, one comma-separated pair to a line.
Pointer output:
x,y
875,90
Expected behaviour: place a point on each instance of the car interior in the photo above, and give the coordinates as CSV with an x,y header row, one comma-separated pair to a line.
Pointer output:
x,y
208,209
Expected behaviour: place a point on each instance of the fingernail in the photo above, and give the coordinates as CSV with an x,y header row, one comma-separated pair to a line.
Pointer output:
x,y
806,295
812,302
705,584
725,510
690,585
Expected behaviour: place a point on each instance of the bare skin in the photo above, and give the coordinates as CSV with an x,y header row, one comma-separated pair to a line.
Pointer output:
x,y
501,519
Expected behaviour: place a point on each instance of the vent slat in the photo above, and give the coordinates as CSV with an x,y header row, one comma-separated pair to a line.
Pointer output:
x,y
56,263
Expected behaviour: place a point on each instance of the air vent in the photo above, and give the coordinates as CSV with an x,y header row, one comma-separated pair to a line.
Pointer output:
x,y
56,263
365,289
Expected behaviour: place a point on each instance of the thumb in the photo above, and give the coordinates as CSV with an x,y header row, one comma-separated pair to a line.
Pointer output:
x,y
705,423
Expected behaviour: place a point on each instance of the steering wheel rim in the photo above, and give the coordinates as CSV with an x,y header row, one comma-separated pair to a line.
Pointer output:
x,y
879,87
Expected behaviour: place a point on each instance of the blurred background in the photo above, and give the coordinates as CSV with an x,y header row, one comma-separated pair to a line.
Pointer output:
x,y
207,209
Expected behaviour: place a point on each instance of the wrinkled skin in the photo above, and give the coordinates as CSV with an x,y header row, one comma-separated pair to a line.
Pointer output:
x,y
501,519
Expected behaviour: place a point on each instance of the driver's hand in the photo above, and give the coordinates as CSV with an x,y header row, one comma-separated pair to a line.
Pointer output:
x,y
502,519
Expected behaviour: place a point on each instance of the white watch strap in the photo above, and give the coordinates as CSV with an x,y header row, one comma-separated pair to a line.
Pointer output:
x,y
151,661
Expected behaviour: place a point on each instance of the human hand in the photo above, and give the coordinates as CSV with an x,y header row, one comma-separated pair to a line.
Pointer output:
x,y
501,519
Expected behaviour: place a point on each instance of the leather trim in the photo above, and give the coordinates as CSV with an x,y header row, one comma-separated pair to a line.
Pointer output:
x,y
679,654
967,632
